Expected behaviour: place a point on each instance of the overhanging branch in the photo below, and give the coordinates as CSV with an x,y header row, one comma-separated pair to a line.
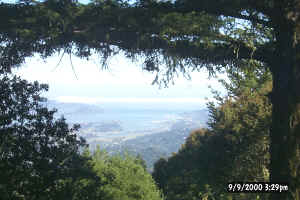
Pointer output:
x,y
97,29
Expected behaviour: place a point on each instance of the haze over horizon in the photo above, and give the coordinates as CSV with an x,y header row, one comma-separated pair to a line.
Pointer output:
x,y
123,81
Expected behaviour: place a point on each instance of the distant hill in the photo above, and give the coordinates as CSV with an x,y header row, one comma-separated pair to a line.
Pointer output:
x,y
151,147
75,112
106,127
199,115
74,108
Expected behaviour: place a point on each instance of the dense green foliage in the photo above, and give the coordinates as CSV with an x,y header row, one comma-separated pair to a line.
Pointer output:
x,y
40,155
111,178
234,148
36,150
176,36
123,177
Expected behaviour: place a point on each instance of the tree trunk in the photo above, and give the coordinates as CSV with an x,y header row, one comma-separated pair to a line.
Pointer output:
x,y
285,128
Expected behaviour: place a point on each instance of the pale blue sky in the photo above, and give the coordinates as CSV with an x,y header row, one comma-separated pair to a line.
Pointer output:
x,y
124,81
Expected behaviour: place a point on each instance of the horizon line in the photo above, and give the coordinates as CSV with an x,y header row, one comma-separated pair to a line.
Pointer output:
x,y
95,100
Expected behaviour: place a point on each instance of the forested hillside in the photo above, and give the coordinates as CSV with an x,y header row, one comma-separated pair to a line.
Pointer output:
x,y
150,147
234,148
38,152
41,157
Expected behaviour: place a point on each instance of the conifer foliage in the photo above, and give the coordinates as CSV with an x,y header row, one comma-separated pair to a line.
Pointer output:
x,y
173,37
234,148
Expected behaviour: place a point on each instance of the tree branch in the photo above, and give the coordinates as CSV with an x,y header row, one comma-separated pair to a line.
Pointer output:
x,y
132,29
217,8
